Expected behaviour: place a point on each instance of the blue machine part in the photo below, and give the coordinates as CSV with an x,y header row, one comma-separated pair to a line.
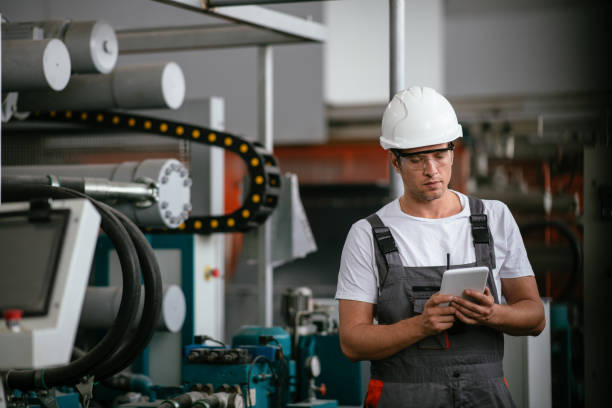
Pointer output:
x,y
190,347
251,335
67,399
269,352
255,380
343,378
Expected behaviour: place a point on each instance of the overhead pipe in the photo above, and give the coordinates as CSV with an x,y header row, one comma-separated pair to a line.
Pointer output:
x,y
397,72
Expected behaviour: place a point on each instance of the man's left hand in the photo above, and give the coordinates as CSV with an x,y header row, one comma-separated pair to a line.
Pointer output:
x,y
479,310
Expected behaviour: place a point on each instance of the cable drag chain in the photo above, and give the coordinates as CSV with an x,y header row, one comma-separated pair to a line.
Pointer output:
x,y
264,175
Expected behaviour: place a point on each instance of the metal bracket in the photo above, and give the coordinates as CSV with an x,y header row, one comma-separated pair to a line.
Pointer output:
x,y
47,398
40,210
85,390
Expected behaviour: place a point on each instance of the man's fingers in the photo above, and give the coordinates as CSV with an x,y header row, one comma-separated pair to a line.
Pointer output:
x,y
469,309
446,318
462,317
436,299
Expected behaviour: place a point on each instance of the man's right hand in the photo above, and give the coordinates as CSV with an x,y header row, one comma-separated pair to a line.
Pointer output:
x,y
436,318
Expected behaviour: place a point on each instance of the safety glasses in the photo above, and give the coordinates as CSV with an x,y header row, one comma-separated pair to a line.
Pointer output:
x,y
417,160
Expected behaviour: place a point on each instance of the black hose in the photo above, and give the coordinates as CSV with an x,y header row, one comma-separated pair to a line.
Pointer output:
x,y
575,245
152,303
138,341
73,372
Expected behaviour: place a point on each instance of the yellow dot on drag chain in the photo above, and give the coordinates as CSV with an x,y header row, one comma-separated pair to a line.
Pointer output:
x,y
182,226
255,198
163,127
259,180
254,161
131,122
231,222
195,134
214,224
246,213
116,120
68,114
147,124
197,224
84,115
244,148
228,141
100,117
212,137
52,114
273,182
180,130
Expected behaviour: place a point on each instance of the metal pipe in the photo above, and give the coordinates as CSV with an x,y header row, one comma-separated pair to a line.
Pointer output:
x,y
34,65
104,190
100,189
265,277
397,72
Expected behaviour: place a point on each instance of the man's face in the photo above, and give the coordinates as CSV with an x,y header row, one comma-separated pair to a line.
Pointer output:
x,y
425,176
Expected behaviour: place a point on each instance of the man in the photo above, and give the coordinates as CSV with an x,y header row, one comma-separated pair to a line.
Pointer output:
x,y
429,349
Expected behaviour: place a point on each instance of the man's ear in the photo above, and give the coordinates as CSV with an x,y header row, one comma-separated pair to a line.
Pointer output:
x,y
395,162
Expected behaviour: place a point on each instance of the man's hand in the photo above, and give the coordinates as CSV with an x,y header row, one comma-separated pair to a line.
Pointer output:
x,y
479,311
437,318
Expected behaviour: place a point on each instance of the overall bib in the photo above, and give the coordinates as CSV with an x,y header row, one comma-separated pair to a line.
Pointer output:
x,y
460,367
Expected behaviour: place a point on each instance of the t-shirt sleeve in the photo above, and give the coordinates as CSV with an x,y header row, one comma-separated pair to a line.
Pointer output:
x,y
516,263
357,275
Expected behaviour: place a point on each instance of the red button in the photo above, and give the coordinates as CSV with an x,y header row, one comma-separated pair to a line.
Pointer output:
x,y
215,273
323,389
12,314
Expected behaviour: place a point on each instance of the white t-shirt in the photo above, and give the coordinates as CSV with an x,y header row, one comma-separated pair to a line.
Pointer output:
x,y
425,242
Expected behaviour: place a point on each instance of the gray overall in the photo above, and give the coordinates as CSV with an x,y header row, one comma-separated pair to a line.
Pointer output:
x,y
461,367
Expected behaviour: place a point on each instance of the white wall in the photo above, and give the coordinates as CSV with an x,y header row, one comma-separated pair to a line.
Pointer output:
x,y
356,57
541,46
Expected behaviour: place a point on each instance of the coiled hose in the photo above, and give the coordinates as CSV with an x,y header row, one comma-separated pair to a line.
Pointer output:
x,y
111,354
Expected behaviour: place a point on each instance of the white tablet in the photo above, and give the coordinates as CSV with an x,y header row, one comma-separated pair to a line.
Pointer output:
x,y
456,281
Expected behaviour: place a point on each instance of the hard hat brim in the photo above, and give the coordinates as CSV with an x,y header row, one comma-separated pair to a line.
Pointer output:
x,y
426,140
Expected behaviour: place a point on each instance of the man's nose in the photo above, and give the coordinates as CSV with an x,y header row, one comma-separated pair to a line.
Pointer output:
x,y
429,166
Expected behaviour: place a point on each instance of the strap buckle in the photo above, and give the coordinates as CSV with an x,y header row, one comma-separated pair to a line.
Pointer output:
x,y
480,230
385,240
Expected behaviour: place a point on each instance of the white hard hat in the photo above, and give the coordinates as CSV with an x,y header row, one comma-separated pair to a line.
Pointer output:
x,y
417,117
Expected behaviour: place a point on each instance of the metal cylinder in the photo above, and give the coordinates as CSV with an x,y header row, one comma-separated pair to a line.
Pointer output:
x,y
92,45
102,303
294,301
29,65
169,176
147,86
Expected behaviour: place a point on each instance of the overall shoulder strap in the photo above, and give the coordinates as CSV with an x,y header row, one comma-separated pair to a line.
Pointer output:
x,y
483,240
385,250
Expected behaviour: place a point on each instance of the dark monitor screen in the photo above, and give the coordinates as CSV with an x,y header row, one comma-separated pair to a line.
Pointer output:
x,y
29,256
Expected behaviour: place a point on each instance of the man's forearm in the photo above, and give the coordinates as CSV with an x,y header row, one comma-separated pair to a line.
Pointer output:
x,y
525,317
377,341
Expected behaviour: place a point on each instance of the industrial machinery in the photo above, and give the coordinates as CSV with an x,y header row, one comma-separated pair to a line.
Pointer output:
x,y
46,250
129,339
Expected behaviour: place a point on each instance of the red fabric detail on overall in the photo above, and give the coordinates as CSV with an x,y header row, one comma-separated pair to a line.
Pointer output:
x,y
374,390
